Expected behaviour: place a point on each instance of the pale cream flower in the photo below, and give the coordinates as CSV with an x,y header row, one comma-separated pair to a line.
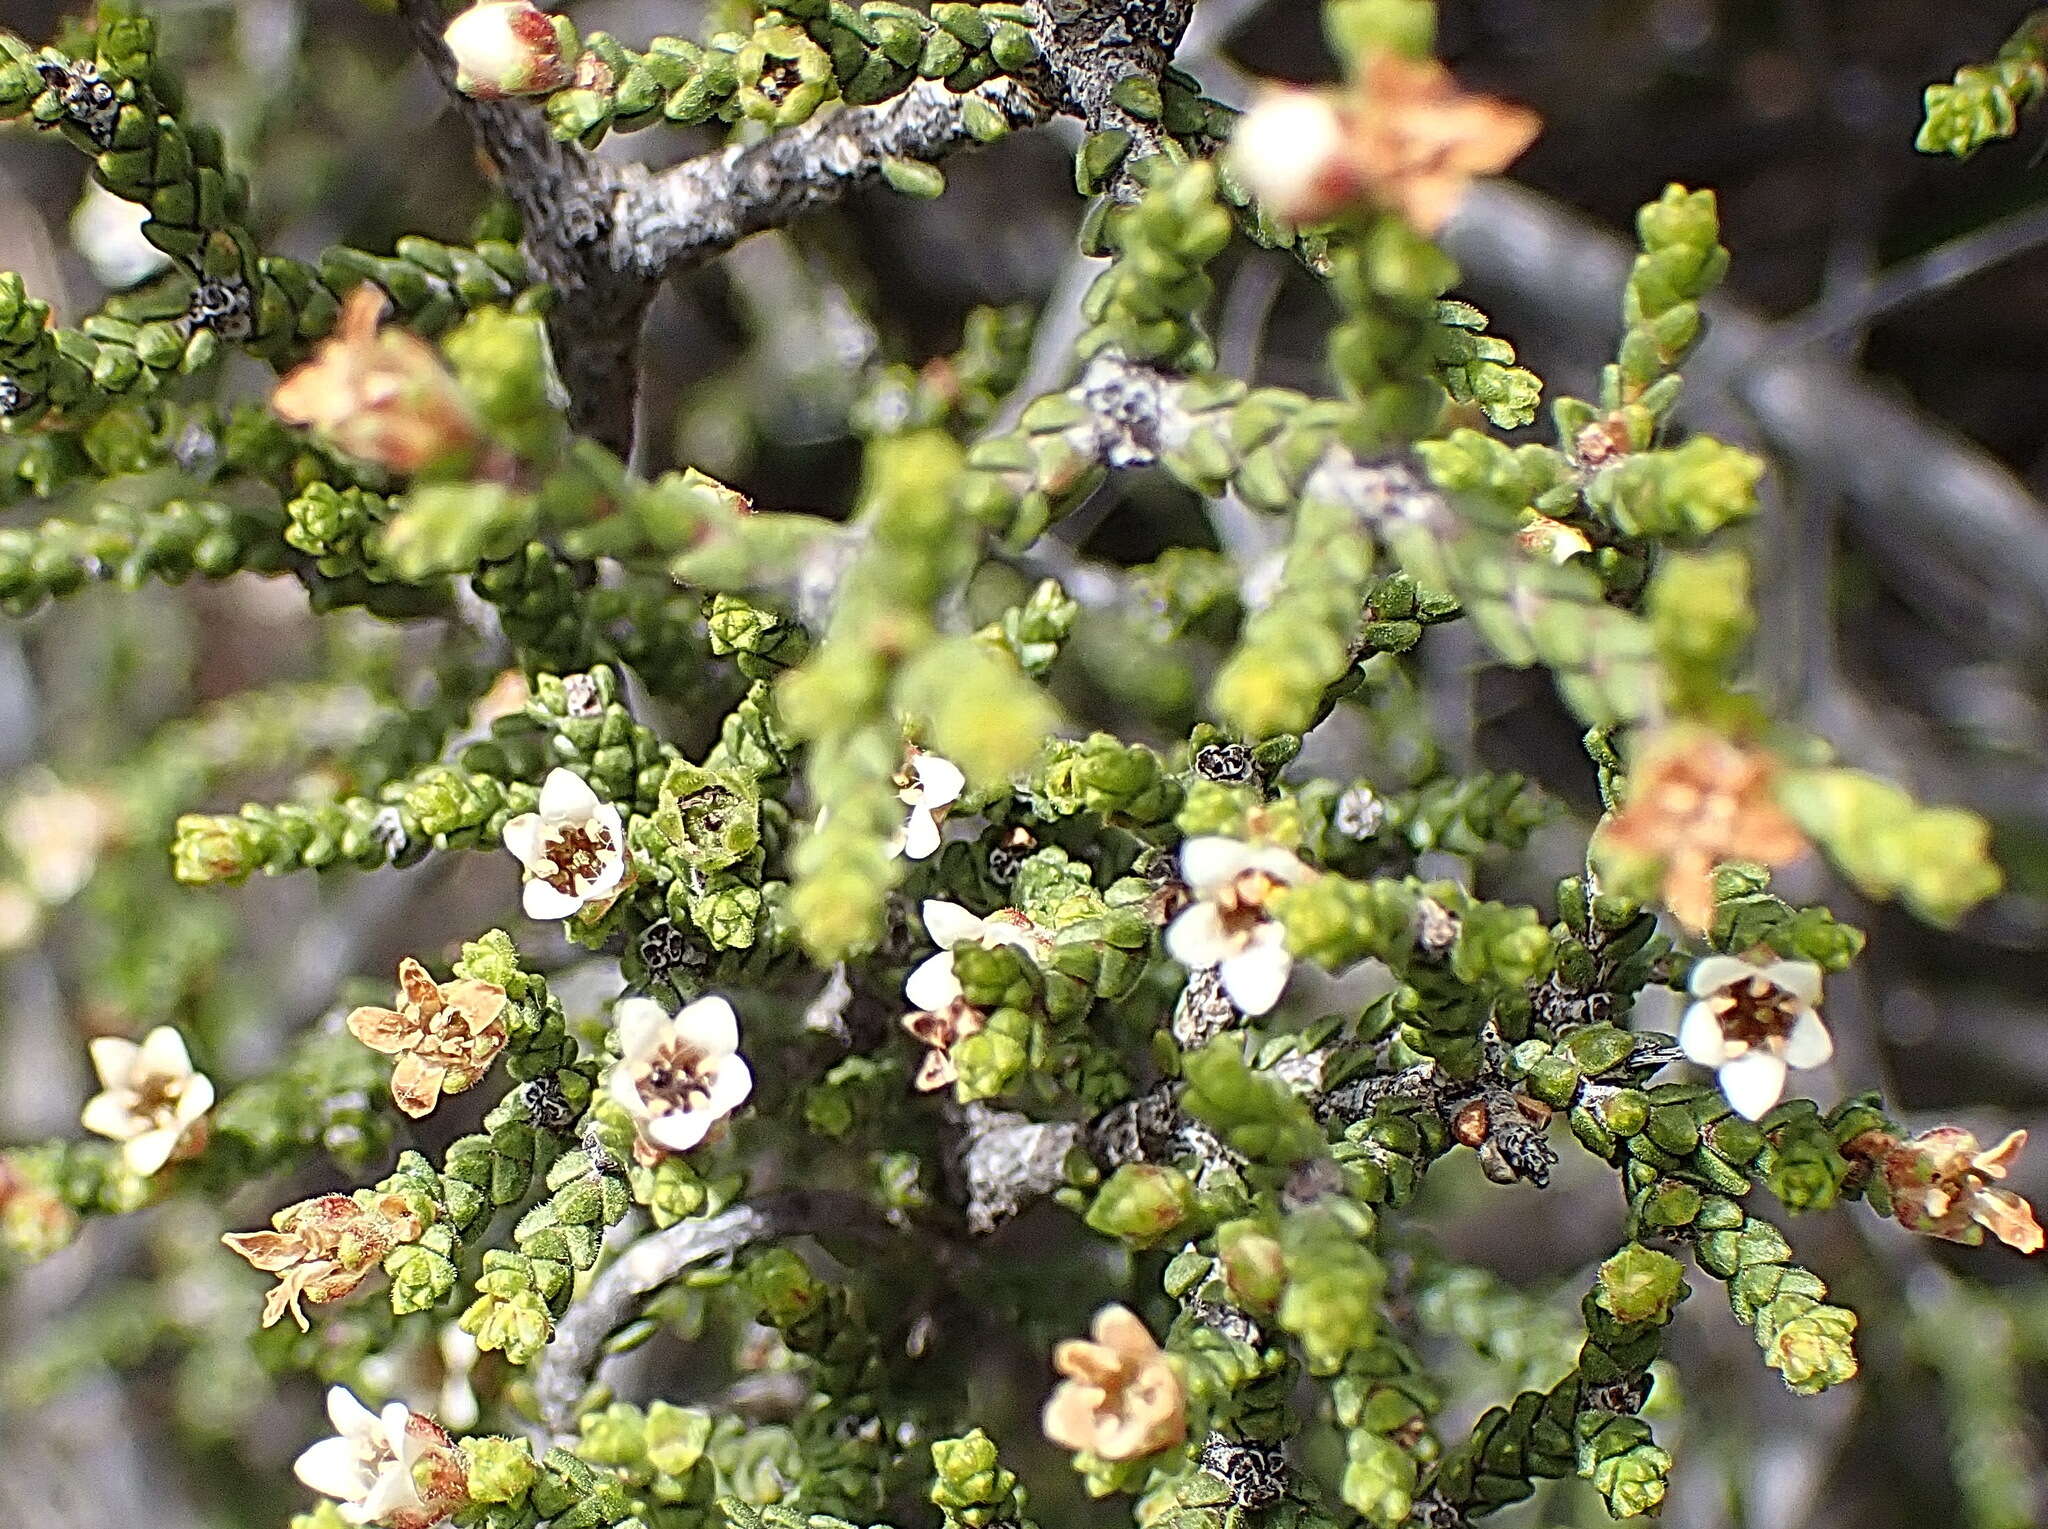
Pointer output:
x,y
573,849
1751,1023
677,1075
929,786
507,48
151,1099
397,1468
1227,927
1942,1183
444,1036
942,1013
57,833
323,1248
107,230
1122,1397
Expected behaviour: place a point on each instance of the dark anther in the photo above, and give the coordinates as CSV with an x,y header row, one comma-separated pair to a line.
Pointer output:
x,y
1229,764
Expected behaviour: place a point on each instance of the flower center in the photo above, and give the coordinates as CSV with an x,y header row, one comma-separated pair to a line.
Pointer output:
x,y
1755,1012
675,1077
576,854
1242,904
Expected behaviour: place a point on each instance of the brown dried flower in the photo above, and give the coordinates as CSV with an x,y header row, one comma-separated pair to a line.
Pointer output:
x,y
379,394
445,1037
1943,1184
1122,1397
323,1248
1696,800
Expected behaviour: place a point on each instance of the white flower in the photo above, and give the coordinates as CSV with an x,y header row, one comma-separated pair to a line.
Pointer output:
x,y
1292,150
57,832
1751,1023
150,1100
507,48
573,849
678,1075
930,785
107,230
1227,927
395,1468
932,987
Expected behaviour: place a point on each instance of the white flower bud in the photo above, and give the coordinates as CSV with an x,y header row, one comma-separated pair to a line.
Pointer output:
x,y
510,48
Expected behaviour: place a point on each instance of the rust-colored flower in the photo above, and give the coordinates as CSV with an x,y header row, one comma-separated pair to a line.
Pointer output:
x,y
940,1029
1408,139
1696,800
1122,1397
445,1036
323,1248
1943,1184
379,394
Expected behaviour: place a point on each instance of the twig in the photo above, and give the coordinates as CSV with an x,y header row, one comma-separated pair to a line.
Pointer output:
x,y
565,1368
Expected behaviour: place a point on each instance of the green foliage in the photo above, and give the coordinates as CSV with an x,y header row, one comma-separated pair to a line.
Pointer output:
x,y
1983,102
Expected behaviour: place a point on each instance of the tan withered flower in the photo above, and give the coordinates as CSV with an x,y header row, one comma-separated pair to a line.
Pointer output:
x,y
323,1248
383,395
1696,800
444,1036
1408,140
1944,1185
1122,1397
940,1030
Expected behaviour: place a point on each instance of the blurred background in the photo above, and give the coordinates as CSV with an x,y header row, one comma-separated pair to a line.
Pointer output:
x,y
1881,343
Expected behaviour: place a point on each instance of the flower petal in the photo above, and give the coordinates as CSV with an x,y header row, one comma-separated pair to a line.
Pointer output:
x,y
111,1115
1700,1037
624,1091
1197,938
939,780
113,1058
711,1024
384,1030
1210,861
163,1053
1799,978
522,837
921,835
196,1099
1809,1044
679,1130
146,1154
333,1469
351,1419
565,797
1753,1082
932,985
949,924
543,902
1257,976
730,1084
1717,972
2008,1218
642,1025
416,1085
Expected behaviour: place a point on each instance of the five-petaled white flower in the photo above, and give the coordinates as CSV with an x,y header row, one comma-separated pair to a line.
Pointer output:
x,y
1227,926
396,1468
151,1100
677,1075
1750,1023
573,849
929,785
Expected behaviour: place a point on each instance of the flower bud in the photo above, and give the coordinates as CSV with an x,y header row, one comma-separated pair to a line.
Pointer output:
x,y
1293,152
511,48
